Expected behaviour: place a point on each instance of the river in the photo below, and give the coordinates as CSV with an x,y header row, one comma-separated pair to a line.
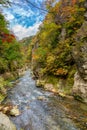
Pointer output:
x,y
42,110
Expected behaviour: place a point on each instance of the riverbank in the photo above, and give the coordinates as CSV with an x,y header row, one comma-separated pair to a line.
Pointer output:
x,y
8,80
58,87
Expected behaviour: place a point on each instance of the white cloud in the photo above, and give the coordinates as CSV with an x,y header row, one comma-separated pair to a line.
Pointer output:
x,y
22,32
9,16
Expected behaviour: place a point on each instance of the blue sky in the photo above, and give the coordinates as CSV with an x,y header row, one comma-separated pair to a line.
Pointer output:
x,y
24,19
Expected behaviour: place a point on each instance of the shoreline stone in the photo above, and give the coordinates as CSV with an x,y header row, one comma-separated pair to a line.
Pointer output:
x,y
5,123
80,87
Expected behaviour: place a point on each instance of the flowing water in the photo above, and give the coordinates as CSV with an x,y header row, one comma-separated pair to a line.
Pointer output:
x,y
41,110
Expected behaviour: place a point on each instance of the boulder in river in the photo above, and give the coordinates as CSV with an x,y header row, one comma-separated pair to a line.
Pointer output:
x,y
41,98
40,83
5,123
14,111
10,110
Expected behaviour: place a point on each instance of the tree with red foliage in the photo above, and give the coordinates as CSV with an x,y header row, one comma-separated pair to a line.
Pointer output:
x,y
7,37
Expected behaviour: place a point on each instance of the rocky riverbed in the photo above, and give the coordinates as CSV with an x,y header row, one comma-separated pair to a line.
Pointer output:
x,y
43,110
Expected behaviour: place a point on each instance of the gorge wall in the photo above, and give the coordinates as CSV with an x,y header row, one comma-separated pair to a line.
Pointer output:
x,y
59,50
80,57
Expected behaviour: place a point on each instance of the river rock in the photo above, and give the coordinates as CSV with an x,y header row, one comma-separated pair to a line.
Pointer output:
x,y
50,87
14,111
62,94
40,98
6,109
40,83
5,123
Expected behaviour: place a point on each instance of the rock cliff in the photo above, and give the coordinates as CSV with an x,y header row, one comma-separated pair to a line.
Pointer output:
x,y
80,56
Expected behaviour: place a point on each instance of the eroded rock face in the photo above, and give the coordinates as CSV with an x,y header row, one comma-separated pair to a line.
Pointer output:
x,y
79,53
80,87
5,123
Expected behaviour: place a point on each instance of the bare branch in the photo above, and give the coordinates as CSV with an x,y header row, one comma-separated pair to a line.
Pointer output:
x,y
35,6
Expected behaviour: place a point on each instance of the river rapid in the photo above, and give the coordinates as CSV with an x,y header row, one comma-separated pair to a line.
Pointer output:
x,y
42,110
